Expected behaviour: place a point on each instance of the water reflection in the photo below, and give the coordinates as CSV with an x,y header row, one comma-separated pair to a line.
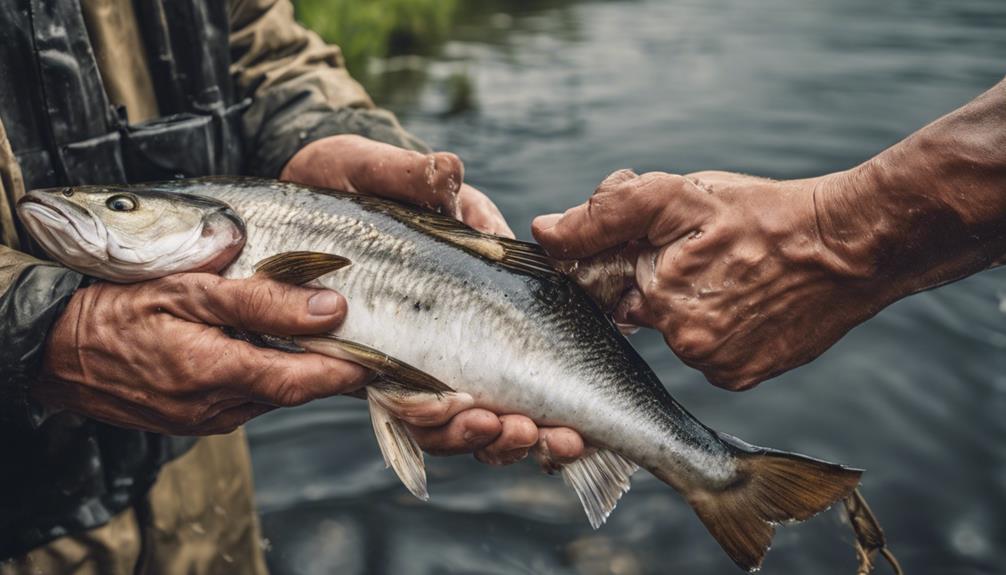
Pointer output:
x,y
561,93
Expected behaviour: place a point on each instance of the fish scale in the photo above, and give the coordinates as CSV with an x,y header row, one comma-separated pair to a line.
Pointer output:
x,y
435,306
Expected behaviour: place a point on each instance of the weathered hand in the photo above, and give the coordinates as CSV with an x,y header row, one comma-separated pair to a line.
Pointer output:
x,y
434,181
732,269
151,355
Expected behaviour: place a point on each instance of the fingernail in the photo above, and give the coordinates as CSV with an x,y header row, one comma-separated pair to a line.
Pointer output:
x,y
325,302
547,221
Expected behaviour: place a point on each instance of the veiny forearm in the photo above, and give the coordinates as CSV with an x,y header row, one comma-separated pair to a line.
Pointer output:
x,y
931,209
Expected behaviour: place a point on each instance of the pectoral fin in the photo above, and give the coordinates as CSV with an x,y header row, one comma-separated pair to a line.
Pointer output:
x,y
299,267
599,480
398,447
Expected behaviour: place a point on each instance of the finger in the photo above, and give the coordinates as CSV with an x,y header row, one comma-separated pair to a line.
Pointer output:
x,y
710,179
428,180
283,379
466,432
515,441
425,409
479,212
648,304
658,207
615,178
253,304
629,310
357,164
556,447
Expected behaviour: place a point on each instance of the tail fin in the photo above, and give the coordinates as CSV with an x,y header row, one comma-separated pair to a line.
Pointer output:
x,y
772,487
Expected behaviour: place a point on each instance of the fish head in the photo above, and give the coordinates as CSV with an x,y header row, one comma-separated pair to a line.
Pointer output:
x,y
128,234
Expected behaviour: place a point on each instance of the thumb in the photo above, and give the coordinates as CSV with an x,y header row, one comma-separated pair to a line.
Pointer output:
x,y
254,304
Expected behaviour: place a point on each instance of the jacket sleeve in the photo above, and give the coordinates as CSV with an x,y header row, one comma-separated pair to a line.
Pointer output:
x,y
301,90
34,293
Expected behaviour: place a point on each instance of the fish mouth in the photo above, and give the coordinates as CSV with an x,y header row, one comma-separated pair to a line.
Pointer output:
x,y
41,209
56,227
52,214
45,216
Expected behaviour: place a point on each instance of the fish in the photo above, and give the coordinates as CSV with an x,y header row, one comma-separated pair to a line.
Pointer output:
x,y
437,307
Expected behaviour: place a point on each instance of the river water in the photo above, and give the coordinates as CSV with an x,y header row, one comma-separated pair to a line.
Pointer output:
x,y
548,98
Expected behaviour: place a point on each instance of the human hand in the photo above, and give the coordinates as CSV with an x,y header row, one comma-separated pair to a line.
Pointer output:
x,y
745,277
442,426
150,355
433,181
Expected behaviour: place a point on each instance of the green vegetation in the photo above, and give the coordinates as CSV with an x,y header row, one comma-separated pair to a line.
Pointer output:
x,y
378,28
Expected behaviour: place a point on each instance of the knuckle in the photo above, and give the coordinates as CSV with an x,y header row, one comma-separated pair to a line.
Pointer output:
x,y
289,392
449,162
693,343
615,180
257,301
659,183
733,382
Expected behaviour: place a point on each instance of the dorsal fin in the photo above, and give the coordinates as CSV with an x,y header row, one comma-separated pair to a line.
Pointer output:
x,y
516,255
524,257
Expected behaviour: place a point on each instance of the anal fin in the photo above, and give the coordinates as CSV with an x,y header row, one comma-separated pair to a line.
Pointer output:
x,y
399,448
599,480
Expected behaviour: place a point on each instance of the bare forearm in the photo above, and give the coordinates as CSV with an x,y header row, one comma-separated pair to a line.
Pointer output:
x,y
931,209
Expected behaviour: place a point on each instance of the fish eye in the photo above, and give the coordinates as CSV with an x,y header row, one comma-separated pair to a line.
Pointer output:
x,y
67,192
121,203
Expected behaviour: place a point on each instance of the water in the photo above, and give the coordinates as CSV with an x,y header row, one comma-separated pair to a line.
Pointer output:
x,y
563,94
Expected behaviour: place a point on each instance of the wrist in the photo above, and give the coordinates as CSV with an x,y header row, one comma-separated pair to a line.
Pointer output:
x,y
893,219
865,225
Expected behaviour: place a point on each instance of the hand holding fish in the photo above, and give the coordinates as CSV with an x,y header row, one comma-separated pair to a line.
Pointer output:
x,y
436,182
149,356
748,277
730,268
432,181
